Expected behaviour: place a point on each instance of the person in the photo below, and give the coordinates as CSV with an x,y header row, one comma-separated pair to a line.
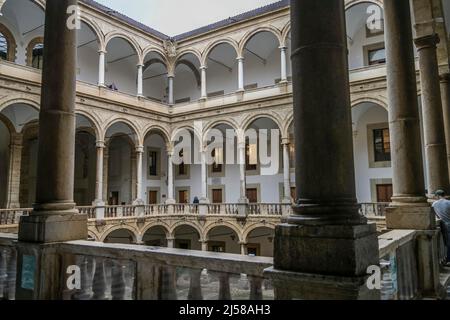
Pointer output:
x,y
442,209
196,202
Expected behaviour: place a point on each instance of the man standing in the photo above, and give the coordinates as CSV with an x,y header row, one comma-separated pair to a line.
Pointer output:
x,y
442,209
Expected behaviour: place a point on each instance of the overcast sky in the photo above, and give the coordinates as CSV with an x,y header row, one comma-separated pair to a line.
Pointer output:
x,y
173,17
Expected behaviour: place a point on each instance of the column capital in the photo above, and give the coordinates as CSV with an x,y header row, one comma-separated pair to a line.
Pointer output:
x,y
429,41
100,144
240,58
140,65
170,75
139,149
102,51
283,47
445,77
203,67
285,141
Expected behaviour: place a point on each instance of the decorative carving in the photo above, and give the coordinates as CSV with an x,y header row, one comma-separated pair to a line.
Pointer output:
x,y
170,47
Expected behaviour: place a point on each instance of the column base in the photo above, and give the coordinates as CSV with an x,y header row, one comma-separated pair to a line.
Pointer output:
x,y
40,228
307,286
410,217
171,201
338,250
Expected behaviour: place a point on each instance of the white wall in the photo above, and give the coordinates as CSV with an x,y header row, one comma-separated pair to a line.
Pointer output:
x,y
363,116
119,171
155,141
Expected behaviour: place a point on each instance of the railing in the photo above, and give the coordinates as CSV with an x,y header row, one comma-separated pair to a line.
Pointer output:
x,y
120,211
223,208
12,216
90,211
374,209
273,209
155,209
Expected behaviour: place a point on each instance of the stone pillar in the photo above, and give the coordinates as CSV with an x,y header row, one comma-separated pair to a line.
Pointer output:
x,y
139,154
283,51
14,171
204,245
105,174
409,208
241,74
286,172
445,92
242,180
204,94
404,124
170,80
315,250
99,200
140,88
171,242
433,122
170,195
204,178
54,217
243,248
101,68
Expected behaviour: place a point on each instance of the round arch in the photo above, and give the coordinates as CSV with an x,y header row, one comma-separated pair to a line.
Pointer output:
x,y
9,125
246,232
134,129
108,232
186,223
226,224
375,100
247,37
216,43
152,225
10,41
93,121
118,35
92,25
35,104
285,33
30,47
153,128
192,51
252,118
231,123
352,3
153,49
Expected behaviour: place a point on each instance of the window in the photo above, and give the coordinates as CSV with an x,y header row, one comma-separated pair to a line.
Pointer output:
x,y
376,56
3,47
250,157
217,154
152,163
382,145
181,167
38,56
183,196
252,195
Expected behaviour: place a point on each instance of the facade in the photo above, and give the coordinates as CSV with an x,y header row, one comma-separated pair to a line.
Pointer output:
x,y
136,88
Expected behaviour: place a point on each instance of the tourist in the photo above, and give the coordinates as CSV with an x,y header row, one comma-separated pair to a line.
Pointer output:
x,y
442,209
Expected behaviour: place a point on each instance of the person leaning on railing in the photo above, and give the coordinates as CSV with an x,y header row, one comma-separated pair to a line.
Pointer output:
x,y
442,209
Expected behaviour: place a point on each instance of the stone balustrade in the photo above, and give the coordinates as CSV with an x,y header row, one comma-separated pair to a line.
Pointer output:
x,y
129,272
376,209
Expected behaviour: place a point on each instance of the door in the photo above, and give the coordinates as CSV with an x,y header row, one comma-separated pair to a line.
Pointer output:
x,y
114,199
252,195
253,249
183,196
217,196
384,192
152,197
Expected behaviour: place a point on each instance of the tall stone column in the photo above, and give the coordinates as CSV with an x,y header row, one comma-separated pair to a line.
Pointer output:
x,y
99,200
445,93
315,250
105,174
204,94
14,171
101,68
433,121
170,80
241,74
140,85
286,172
242,182
170,195
283,51
54,217
409,208
139,154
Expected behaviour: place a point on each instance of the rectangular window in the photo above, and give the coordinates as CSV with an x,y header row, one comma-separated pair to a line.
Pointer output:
x,y
217,154
38,56
152,163
377,56
181,167
382,145
250,157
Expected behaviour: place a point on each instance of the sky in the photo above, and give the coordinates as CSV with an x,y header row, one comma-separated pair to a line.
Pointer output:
x,y
173,17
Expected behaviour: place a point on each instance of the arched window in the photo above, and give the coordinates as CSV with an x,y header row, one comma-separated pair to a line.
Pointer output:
x,y
3,47
7,44
38,56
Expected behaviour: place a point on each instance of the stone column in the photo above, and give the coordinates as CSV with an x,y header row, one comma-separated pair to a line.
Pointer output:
x,y
170,195
242,184
314,250
54,217
204,245
204,94
445,92
101,68
286,172
140,88
14,171
409,209
433,122
171,242
241,74
283,51
105,174
243,248
99,200
139,154
170,80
